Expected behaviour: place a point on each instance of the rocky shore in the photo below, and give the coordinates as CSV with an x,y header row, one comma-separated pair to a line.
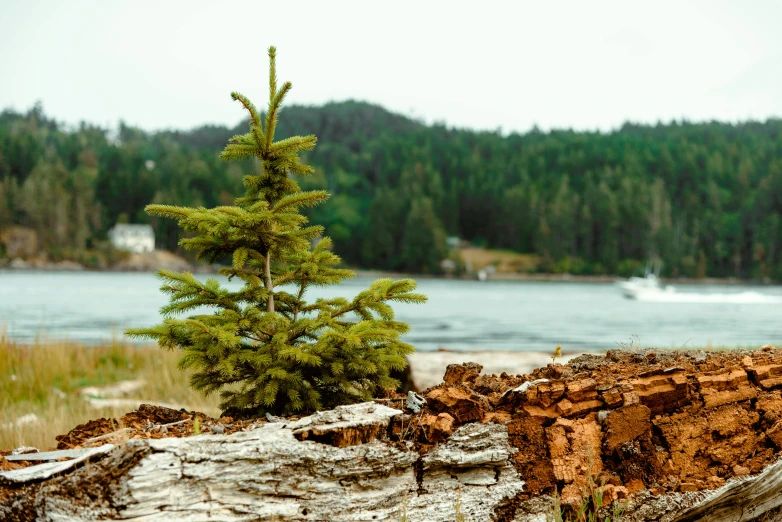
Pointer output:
x,y
143,262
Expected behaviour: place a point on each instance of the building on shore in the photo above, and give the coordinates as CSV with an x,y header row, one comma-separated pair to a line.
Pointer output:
x,y
133,238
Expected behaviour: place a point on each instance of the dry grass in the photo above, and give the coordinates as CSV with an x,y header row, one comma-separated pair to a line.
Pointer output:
x,y
592,503
506,261
44,379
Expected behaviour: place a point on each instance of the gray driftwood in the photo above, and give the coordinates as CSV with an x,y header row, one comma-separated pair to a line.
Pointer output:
x,y
49,455
49,469
296,471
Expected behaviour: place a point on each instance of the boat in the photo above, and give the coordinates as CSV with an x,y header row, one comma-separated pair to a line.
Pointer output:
x,y
637,287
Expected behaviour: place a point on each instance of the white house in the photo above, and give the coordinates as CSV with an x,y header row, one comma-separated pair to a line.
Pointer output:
x,y
133,238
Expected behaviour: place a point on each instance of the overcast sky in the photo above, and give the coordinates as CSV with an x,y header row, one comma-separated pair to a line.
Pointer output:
x,y
479,64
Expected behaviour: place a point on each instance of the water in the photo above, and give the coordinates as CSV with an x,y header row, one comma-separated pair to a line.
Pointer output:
x,y
460,315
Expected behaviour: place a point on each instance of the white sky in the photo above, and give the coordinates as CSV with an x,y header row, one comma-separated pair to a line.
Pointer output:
x,y
483,64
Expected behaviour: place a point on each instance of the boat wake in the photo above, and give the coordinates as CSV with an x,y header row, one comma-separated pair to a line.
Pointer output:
x,y
660,296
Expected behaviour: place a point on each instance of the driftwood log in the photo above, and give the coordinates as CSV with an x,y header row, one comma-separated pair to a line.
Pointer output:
x,y
298,471
487,457
279,471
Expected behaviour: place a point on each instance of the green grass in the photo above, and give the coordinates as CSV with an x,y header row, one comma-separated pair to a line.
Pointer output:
x,y
44,379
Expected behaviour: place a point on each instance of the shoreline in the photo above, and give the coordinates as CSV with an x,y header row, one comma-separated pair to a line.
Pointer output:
x,y
570,278
182,265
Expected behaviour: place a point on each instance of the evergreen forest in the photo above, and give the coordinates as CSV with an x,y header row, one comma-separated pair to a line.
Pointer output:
x,y
703,198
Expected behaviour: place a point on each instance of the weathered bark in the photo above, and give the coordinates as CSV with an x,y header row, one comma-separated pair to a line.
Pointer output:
x,y
269,474
656,434
740,500
50,469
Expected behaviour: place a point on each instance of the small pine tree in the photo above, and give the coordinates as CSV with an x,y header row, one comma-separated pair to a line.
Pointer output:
x,y
263,347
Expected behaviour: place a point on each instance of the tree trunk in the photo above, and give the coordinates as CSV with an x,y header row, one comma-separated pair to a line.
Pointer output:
x,y
269,285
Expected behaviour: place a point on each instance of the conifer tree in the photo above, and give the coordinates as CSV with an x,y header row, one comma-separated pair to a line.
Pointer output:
x,y
264,347
423,243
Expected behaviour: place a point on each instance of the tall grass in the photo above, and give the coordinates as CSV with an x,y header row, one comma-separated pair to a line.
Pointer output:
x,y
43,378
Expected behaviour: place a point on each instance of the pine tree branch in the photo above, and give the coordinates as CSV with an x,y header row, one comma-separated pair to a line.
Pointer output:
x,y
250,335
272,71
302,286
293,145
254,115
294,201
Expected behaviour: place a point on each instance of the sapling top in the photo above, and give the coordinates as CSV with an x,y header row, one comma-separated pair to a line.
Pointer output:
x,y
264,347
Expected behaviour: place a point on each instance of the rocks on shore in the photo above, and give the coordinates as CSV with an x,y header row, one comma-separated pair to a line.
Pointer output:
x,y
41,264
141,262
152,261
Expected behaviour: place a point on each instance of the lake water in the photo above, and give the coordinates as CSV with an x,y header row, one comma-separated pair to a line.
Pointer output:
x,y
460,315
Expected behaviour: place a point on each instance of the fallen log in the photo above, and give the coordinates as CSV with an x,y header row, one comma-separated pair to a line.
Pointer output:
x,y
669,437
49,469
47,455
268,473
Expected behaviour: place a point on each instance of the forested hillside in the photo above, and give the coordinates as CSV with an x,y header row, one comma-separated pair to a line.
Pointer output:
x,y
705,198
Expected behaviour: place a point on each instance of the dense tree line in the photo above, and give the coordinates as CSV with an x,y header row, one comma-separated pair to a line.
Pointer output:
x,y
704,198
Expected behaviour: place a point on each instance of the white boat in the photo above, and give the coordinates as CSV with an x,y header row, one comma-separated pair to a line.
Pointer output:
x,y
637,287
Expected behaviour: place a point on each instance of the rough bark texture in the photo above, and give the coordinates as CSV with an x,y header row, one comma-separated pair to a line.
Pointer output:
x,y
740,500
268,474
49,469
676,437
